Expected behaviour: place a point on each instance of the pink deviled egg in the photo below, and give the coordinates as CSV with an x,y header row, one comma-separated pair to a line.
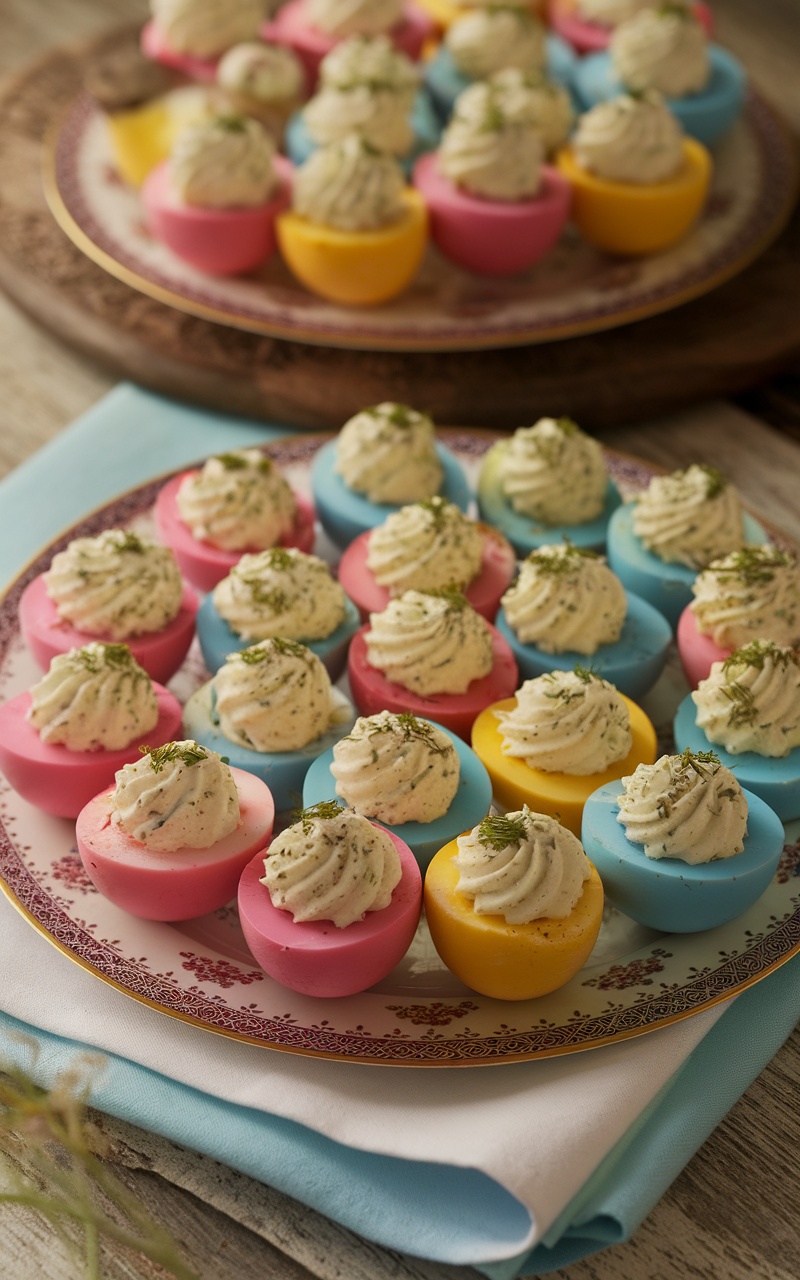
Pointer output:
x,y
237,502
588,25
171,839
495,208
426,546
751,594
432,654
190,36
312,28
335,904
215,201
63,740
115,587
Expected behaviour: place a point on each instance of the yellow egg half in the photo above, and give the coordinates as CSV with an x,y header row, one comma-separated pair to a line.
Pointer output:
x,y
629,218
504,961
143,137
561,795
359,268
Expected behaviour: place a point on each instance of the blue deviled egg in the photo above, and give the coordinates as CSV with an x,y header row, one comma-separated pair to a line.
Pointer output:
x,y
679,845
412,775
270,710
665,49
384,457
279,592
658,544
567,609
748,712
546,483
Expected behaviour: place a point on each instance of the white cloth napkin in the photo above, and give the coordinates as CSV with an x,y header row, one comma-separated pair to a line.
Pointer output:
x,y
539,1128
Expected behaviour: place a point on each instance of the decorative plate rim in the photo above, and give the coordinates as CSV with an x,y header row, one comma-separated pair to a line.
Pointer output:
x,y
746,951
765,222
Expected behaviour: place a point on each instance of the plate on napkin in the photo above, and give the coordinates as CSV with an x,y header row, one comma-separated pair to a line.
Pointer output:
x,y
574,290
200,971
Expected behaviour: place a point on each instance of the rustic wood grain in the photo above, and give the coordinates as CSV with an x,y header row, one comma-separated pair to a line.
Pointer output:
x,y
719,344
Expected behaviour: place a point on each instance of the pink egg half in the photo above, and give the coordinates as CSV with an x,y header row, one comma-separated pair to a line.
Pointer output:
x,y
290,26
179,885
218,242
61,781
206,565
697,652
372,692
315,957
484,592
593,37
493,237
159,652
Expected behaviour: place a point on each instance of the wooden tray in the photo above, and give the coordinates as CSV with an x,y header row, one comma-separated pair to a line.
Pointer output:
x,y
729,340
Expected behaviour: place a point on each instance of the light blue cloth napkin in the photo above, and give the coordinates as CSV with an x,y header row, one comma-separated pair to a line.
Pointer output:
x,y
126,439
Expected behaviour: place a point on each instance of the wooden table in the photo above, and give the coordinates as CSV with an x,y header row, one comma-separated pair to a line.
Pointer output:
x,y
732,1212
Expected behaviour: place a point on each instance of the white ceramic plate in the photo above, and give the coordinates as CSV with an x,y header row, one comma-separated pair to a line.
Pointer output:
x,y
200,971
574,290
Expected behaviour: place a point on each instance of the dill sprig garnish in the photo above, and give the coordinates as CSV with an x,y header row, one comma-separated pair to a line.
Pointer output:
x,y
399,415
236,462
322,811
756,653
124,540
439,510
263,652
116,656
751,565
411,728
498,831
455,598
559,559
743,709
188,753
715,480
688,765
567,695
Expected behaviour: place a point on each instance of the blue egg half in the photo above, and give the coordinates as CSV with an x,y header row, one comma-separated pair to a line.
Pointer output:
x,y
526,533
666,586
469,806
425,125
775,779
283,771
217,640
667,893
344,514
706,115
445,82
632,664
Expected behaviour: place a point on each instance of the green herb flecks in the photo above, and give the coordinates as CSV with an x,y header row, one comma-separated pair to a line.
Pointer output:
x,y
323,811
116,656
498,831
560,559
187,753
237,462
751,565
263,652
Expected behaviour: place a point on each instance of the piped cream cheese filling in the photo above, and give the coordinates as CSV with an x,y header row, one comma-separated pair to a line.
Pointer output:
x,y
430,642
177,796
396,768
751,701
571,722
237,500
425,546
553,472
689,517
388,453
280,592
751,594
566,599
685,806
94,698
523,866
274,696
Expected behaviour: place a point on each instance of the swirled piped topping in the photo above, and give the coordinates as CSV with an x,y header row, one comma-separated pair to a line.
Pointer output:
x,y
223,163
751,701
367,87
610,13
570,722
751,594
388,453
350,186
262,72
686,806
94,698
396,768
117,585
487,152
332,864
522,866
430,642
274,696
689,517
486,40
237,500
528,97
280,592
553,472
664,49
206,28
177,796
566,599
342,18
630,140
425,546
